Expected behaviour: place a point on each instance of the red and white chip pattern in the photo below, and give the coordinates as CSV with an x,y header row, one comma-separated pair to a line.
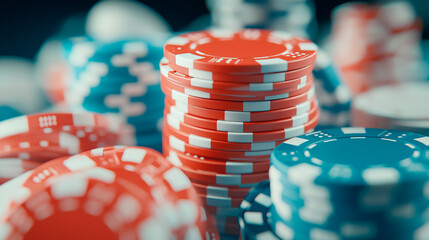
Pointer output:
x,y
37,138
249,51
123,192
231,98
45,136
376,45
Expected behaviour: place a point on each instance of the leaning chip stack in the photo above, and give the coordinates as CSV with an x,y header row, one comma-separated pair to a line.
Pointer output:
x,y
106,193
342,183
376,45
27,141
295,16
332,93
120,78
231,98
402,107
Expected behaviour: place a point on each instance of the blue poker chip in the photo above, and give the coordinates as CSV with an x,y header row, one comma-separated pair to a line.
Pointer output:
x,y
120,77
252,218
350,183
335,157
259,218
325,71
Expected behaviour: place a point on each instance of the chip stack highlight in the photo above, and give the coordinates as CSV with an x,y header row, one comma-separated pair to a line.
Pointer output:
x,y
342,183
119,78
376,45
231,98
295,16
402,107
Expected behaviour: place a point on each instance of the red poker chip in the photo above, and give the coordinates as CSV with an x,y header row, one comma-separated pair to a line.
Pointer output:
x,y
221,191
237,116
223,211
243,51
246,106
46,136
255,96
123,161
183,147
241,78
235,137
227,126
93,203
245,86
217,87
216,201
55,144
233,95
224,179
208,143
206,164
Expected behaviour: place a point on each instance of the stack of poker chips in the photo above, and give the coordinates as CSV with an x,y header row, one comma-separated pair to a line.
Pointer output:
x,y
119,78
332,93
342,183
402,107
105,193
376,45
231,98
30,140
295,16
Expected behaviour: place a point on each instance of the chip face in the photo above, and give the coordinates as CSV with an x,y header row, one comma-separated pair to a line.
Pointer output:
x,y
246,51
359,155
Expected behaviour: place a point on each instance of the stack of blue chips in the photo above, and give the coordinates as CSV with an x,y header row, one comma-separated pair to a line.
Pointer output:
x,y
332,94
294,16
343,183
119,78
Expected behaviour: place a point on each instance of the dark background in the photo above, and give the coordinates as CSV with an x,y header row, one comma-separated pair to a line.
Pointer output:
x,y
25,25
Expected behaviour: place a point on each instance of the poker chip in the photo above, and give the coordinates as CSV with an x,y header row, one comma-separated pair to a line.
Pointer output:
x,y
279,51
228,126
208,143
228,87
237,137
381,107
236,78
225,112
255,96
246,106
150,186
45,136
375,60
254,211
323,186
332,93
207,164
121,78
241,116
